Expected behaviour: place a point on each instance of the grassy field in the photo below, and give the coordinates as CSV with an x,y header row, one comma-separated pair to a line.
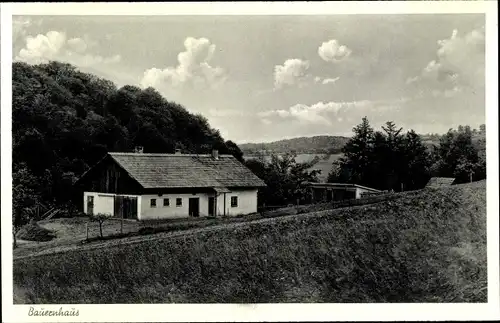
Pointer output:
x,y
425,247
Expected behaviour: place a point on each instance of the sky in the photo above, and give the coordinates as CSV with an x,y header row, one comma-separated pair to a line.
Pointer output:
x,y
266,78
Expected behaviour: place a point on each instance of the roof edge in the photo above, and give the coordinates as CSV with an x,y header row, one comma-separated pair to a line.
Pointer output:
x,y
165,154
342,185
91,168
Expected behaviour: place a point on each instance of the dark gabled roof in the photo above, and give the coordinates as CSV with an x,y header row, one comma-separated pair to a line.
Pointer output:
x,y
440,182
184,170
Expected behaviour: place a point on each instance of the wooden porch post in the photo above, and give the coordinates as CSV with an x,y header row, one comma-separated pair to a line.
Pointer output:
x,y
215,204
224,203
121,224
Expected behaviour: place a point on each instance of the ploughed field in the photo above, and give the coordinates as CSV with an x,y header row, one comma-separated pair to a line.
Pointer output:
x,y
427,246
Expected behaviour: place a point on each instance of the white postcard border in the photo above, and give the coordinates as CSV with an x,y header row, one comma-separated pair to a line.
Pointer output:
x,y
256,312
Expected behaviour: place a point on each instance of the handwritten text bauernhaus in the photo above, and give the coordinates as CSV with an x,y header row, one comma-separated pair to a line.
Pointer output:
x,y
44,312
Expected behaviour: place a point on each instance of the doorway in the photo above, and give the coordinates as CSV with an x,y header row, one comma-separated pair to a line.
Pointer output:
x,y
211,206
126,207
194,207
329,195
90,205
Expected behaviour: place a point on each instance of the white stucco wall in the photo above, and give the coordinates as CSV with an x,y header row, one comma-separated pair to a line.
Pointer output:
x,y
104,203
172,211
247,203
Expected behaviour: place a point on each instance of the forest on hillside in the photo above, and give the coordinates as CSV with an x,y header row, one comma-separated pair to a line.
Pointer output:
x,y
389,159
300,145
64,121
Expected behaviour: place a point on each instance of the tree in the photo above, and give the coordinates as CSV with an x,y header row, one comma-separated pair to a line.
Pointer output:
x,y
458,157
234,150
357,153
24,199
100,218
391,157
465,169
482,128
284,177
384,159
417,162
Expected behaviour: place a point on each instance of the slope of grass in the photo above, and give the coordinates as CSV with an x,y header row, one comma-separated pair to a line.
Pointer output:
x,y
426,247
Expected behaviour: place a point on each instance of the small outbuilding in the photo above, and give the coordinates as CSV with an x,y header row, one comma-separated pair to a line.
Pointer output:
x,y
437,182
328,192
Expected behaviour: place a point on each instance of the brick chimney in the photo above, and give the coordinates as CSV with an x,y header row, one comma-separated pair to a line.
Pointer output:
x,y
139,149
215,154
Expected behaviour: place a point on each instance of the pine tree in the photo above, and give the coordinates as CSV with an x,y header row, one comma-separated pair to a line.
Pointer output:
x,y
384,159
357,153
417,162
393,156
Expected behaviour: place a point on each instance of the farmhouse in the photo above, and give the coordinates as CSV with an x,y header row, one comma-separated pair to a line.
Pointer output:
x,y
327,192
160,186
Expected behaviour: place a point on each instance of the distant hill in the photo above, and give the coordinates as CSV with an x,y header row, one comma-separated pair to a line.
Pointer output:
x,y
325,144
301,145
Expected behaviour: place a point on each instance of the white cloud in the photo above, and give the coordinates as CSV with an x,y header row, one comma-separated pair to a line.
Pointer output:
x,y
332,51
54,46
193,68
330,80
77,44
464,56
459,62
222,113
326,80
266,121
320,113
413,79
292,72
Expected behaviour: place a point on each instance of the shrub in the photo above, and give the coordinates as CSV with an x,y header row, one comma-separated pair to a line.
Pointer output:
x,y
100,218
34,232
